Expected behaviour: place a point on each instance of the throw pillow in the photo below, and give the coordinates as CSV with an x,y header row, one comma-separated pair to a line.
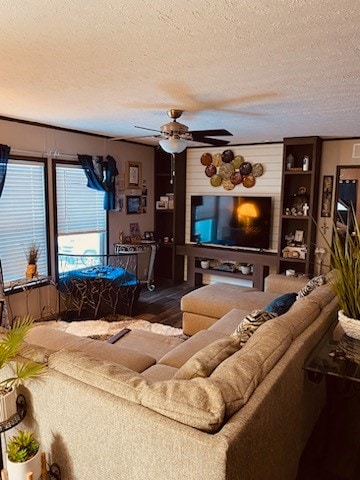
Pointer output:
x,y
281,305
249,324
311,285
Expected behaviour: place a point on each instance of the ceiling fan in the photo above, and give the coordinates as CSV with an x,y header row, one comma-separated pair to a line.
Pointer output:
x,y
175,135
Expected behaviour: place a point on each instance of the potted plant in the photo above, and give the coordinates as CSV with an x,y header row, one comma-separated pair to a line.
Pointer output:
x,y
345,258
32,258
10,344
23,456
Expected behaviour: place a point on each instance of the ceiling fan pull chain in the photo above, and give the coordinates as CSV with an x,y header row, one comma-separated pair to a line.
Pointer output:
x,y
172,168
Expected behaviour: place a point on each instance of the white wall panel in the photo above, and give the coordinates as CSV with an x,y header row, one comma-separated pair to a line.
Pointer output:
x,y
269,184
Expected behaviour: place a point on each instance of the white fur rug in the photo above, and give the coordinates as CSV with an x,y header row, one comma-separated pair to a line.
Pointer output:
x,y
86,328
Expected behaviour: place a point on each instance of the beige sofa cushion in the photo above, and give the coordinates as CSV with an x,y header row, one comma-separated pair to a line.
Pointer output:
x,y
197,402
152,344
216,299
322,295
109,377
158,373
280,283
203,363
55,340
239,375
229,322
302,313
181,354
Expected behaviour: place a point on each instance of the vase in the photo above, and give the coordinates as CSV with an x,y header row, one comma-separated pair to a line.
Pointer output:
x,y
245,269
351,326
19,471
205,264
7,405
31,270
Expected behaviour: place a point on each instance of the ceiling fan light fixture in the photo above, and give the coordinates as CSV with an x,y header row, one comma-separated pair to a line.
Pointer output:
x,y
173,145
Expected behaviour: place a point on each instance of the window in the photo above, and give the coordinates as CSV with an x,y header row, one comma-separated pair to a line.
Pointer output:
x,y
23,218
81,218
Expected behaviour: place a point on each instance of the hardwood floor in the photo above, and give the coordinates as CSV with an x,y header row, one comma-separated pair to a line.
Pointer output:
x,y
333,451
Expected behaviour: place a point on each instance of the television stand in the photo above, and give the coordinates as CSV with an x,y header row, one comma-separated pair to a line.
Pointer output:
x,y
261,262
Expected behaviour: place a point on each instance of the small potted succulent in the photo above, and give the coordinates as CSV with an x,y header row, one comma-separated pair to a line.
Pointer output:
x,y
23,456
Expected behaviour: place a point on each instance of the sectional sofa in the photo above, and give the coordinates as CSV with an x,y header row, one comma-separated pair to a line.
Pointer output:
x,y
152,407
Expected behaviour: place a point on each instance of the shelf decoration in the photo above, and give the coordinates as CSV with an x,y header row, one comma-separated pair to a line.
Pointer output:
x,y
230,170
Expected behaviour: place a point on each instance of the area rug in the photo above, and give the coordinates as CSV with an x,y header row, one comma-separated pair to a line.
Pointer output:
x,y
103,329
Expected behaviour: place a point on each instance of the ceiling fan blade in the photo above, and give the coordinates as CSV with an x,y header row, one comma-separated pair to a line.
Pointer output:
x,y
216,142
150,129
115,139
212,133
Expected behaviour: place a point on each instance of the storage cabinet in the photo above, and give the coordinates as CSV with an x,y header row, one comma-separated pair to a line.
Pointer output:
x,y
170,176
299,204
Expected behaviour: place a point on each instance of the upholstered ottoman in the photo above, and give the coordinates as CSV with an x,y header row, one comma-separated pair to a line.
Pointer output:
x,y
204,306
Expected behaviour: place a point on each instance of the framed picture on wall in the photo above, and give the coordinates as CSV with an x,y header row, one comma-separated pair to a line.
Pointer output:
x,y
133,204
327,191
133,175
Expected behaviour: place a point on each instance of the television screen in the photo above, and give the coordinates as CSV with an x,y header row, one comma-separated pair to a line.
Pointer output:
x,y
231,220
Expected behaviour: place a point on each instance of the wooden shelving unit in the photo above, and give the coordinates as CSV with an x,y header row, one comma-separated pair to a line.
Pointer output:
x,y
299,185
170,177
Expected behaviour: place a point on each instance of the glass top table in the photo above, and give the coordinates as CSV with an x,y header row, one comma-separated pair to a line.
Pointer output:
x,y
336,355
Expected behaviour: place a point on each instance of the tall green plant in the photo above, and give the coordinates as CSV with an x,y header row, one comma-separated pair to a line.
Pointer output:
x,y
10,345
345,257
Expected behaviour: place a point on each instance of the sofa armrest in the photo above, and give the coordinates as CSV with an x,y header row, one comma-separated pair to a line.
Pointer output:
x,y
280,283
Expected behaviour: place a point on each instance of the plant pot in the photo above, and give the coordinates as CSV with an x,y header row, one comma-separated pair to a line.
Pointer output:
x,y
351,326
205,264
19,471
7,405
31,271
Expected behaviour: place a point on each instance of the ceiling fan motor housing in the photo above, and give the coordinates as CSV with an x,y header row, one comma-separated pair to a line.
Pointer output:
x,y
174,128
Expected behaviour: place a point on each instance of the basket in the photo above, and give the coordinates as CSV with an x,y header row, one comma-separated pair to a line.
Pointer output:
x,y
350,326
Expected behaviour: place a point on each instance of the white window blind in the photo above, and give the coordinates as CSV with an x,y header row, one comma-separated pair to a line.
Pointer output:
x,y
80,209
22,218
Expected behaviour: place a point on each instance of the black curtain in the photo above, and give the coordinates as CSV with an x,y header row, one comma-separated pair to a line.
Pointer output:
x,y
4,157
101,175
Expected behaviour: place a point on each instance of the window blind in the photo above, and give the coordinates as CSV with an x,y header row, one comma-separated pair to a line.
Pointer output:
x,y
23,218
79,209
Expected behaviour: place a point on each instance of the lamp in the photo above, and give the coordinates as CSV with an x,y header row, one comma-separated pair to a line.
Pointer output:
x,y
173,144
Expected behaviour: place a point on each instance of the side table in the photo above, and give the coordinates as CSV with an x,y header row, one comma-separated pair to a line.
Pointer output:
x,y
336,359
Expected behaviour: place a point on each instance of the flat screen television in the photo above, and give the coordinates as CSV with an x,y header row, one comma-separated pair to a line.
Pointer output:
x,y
235,221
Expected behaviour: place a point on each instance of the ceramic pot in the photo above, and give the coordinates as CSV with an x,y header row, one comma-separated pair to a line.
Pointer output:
x,y
351,326
31,271
245,269
7,405
205,264
19,471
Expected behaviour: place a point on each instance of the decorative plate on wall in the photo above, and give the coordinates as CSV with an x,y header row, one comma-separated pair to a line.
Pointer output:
x,y
229,170
249,181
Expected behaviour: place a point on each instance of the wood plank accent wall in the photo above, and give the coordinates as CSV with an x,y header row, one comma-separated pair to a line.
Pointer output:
x,y
269,184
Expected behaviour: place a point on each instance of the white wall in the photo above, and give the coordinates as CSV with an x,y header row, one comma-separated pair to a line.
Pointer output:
x,y
334,153
42,141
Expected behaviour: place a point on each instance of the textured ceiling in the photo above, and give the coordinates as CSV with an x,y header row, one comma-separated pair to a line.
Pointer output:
x,y
263,69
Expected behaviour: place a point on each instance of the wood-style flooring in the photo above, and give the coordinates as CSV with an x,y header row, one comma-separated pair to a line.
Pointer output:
x,y
333,451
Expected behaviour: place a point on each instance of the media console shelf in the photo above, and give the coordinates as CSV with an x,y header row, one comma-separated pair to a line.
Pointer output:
x,y
261,262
